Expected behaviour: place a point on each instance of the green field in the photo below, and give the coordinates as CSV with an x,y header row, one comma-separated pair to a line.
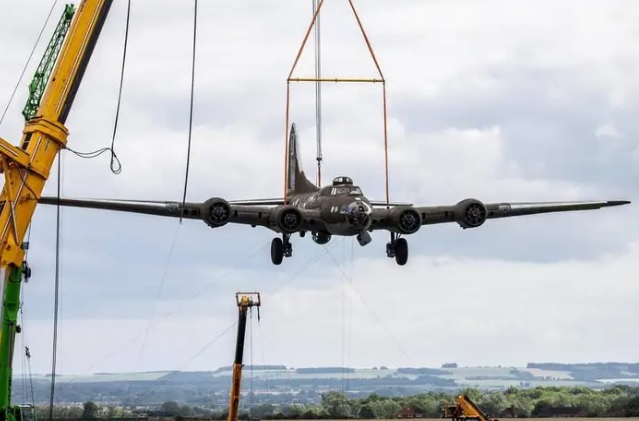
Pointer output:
x,y
472,377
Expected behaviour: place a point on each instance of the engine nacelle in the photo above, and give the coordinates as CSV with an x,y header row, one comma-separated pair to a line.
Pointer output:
x,y
470,213
288,219
216,212
321,237
405,219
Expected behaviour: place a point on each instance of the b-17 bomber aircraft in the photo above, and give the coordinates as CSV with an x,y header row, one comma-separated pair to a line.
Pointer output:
x,y
339,209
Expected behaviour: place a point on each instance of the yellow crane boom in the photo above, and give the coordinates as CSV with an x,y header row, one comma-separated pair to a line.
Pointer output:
x,y
244,302
26,169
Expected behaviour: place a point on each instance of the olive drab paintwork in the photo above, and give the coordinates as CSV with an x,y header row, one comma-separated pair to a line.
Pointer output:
x,y
340,209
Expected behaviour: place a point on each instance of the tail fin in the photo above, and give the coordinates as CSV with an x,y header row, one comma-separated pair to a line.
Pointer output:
x,y
297,180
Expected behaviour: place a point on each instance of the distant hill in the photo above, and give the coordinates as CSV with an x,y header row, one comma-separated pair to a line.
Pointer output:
x,y
158,386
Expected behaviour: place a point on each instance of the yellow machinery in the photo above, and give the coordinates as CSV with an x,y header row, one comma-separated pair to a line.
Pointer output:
x,y
244,302
465,409
26,169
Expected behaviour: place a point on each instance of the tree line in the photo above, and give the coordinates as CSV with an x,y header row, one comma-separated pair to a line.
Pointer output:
x,y
617,401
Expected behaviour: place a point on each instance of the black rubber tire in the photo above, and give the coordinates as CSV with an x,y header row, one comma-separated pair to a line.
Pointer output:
x,y
277,251
401,251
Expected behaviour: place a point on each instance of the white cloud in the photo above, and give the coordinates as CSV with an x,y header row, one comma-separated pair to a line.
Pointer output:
x,y
485,99
566,311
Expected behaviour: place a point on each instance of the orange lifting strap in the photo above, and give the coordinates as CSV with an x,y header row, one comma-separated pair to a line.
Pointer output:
x,y
336,80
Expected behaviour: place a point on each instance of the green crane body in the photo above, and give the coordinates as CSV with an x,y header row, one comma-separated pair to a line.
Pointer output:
x,y
10,308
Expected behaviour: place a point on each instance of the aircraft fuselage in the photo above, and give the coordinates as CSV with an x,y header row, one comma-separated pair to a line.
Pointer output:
x,y
344,209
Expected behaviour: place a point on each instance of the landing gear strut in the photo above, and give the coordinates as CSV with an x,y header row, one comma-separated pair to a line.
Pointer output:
x,y
397,248
281,248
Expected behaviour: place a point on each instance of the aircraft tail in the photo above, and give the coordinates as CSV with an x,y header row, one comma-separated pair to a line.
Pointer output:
x,y
297,180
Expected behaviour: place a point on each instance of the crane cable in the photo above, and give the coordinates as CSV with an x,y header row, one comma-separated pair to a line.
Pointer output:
x,y
188,150
115,170
350,310
114,157
347,312
410,360
26,360
24,69
318,94
266,372
188,156
56,294
169,376
166,315
251,392
294,276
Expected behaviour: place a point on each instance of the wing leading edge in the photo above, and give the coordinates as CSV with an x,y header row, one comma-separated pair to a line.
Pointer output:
x,y
472,213
215,211
269,213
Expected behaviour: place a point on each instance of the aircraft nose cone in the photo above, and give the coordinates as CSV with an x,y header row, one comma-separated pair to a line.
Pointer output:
x,y
358,214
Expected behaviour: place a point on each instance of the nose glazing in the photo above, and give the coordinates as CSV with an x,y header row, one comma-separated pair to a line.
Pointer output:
x,y
358,214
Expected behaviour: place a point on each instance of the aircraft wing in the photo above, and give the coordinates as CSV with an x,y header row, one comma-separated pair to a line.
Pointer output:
x,y
215,212
472,213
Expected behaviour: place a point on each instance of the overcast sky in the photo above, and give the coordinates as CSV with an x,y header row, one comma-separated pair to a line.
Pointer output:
x,y
498,100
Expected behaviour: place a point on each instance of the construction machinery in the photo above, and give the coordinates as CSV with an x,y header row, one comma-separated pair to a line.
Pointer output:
x,y
465,409
245,301
26,168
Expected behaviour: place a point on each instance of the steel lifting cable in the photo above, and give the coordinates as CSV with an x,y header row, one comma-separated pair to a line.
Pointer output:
x,y
266,376
26,360
294,276
318,94
188,150
168,314
115,170
379,321
157,299
252,393
343,322
24,69
114,157
28,354
115,164
350,309
166,378
347,314
24,370
56,300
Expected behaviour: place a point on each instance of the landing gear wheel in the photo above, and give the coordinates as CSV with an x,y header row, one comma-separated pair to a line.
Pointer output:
x,y
401,251
277,251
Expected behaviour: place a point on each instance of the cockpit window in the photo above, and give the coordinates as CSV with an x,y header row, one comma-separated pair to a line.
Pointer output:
x,y
335,191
